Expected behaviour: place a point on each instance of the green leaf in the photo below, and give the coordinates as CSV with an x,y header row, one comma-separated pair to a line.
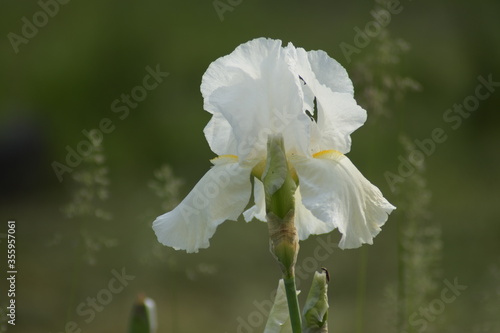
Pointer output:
x,y
279,317
315,311
143,316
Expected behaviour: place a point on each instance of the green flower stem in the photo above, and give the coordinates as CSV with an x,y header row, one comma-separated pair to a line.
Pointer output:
x,y
293,304
280,188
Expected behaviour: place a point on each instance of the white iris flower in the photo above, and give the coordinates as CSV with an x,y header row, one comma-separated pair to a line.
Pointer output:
x,y
264,89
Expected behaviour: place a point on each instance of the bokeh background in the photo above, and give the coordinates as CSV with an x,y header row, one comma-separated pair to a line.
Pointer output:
x,y
72,234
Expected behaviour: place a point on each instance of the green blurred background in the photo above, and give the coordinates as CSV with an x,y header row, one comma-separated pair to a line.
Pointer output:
x,y
64,79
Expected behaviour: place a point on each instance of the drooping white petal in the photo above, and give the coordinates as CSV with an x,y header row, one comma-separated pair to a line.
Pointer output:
x,y
327,81
221,194
255,91
306,223
258,210
334,190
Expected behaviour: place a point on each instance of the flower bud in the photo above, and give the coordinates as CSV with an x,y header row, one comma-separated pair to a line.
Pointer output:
x,y
315,311
280,188
143,316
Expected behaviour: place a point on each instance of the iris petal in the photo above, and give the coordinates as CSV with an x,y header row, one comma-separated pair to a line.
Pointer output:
x,y
221,194
306,223
336,193
338,113
220,137
255,91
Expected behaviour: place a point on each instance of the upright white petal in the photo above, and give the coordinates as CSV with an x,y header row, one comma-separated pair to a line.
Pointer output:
x,y
338,117
334,190
255,91
220,195
327,81
329,72
220,137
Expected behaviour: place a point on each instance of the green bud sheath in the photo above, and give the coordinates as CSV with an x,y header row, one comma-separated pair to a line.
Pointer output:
x,y
143,316
315,311
280,188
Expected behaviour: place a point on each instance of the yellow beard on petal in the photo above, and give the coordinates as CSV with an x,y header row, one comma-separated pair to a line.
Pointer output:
x,y
221,159
329,154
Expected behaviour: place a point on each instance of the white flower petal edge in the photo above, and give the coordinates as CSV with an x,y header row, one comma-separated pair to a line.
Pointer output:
x,y
334,190
221,194
305,222
328,71
255,91
338,113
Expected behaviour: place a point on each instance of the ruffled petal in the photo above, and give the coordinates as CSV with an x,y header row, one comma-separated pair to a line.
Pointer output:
x,y
221,194
336,193
338,117
255,91
329,72
327,82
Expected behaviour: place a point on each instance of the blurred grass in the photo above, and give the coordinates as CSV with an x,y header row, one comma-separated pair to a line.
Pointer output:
x,y
65,78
